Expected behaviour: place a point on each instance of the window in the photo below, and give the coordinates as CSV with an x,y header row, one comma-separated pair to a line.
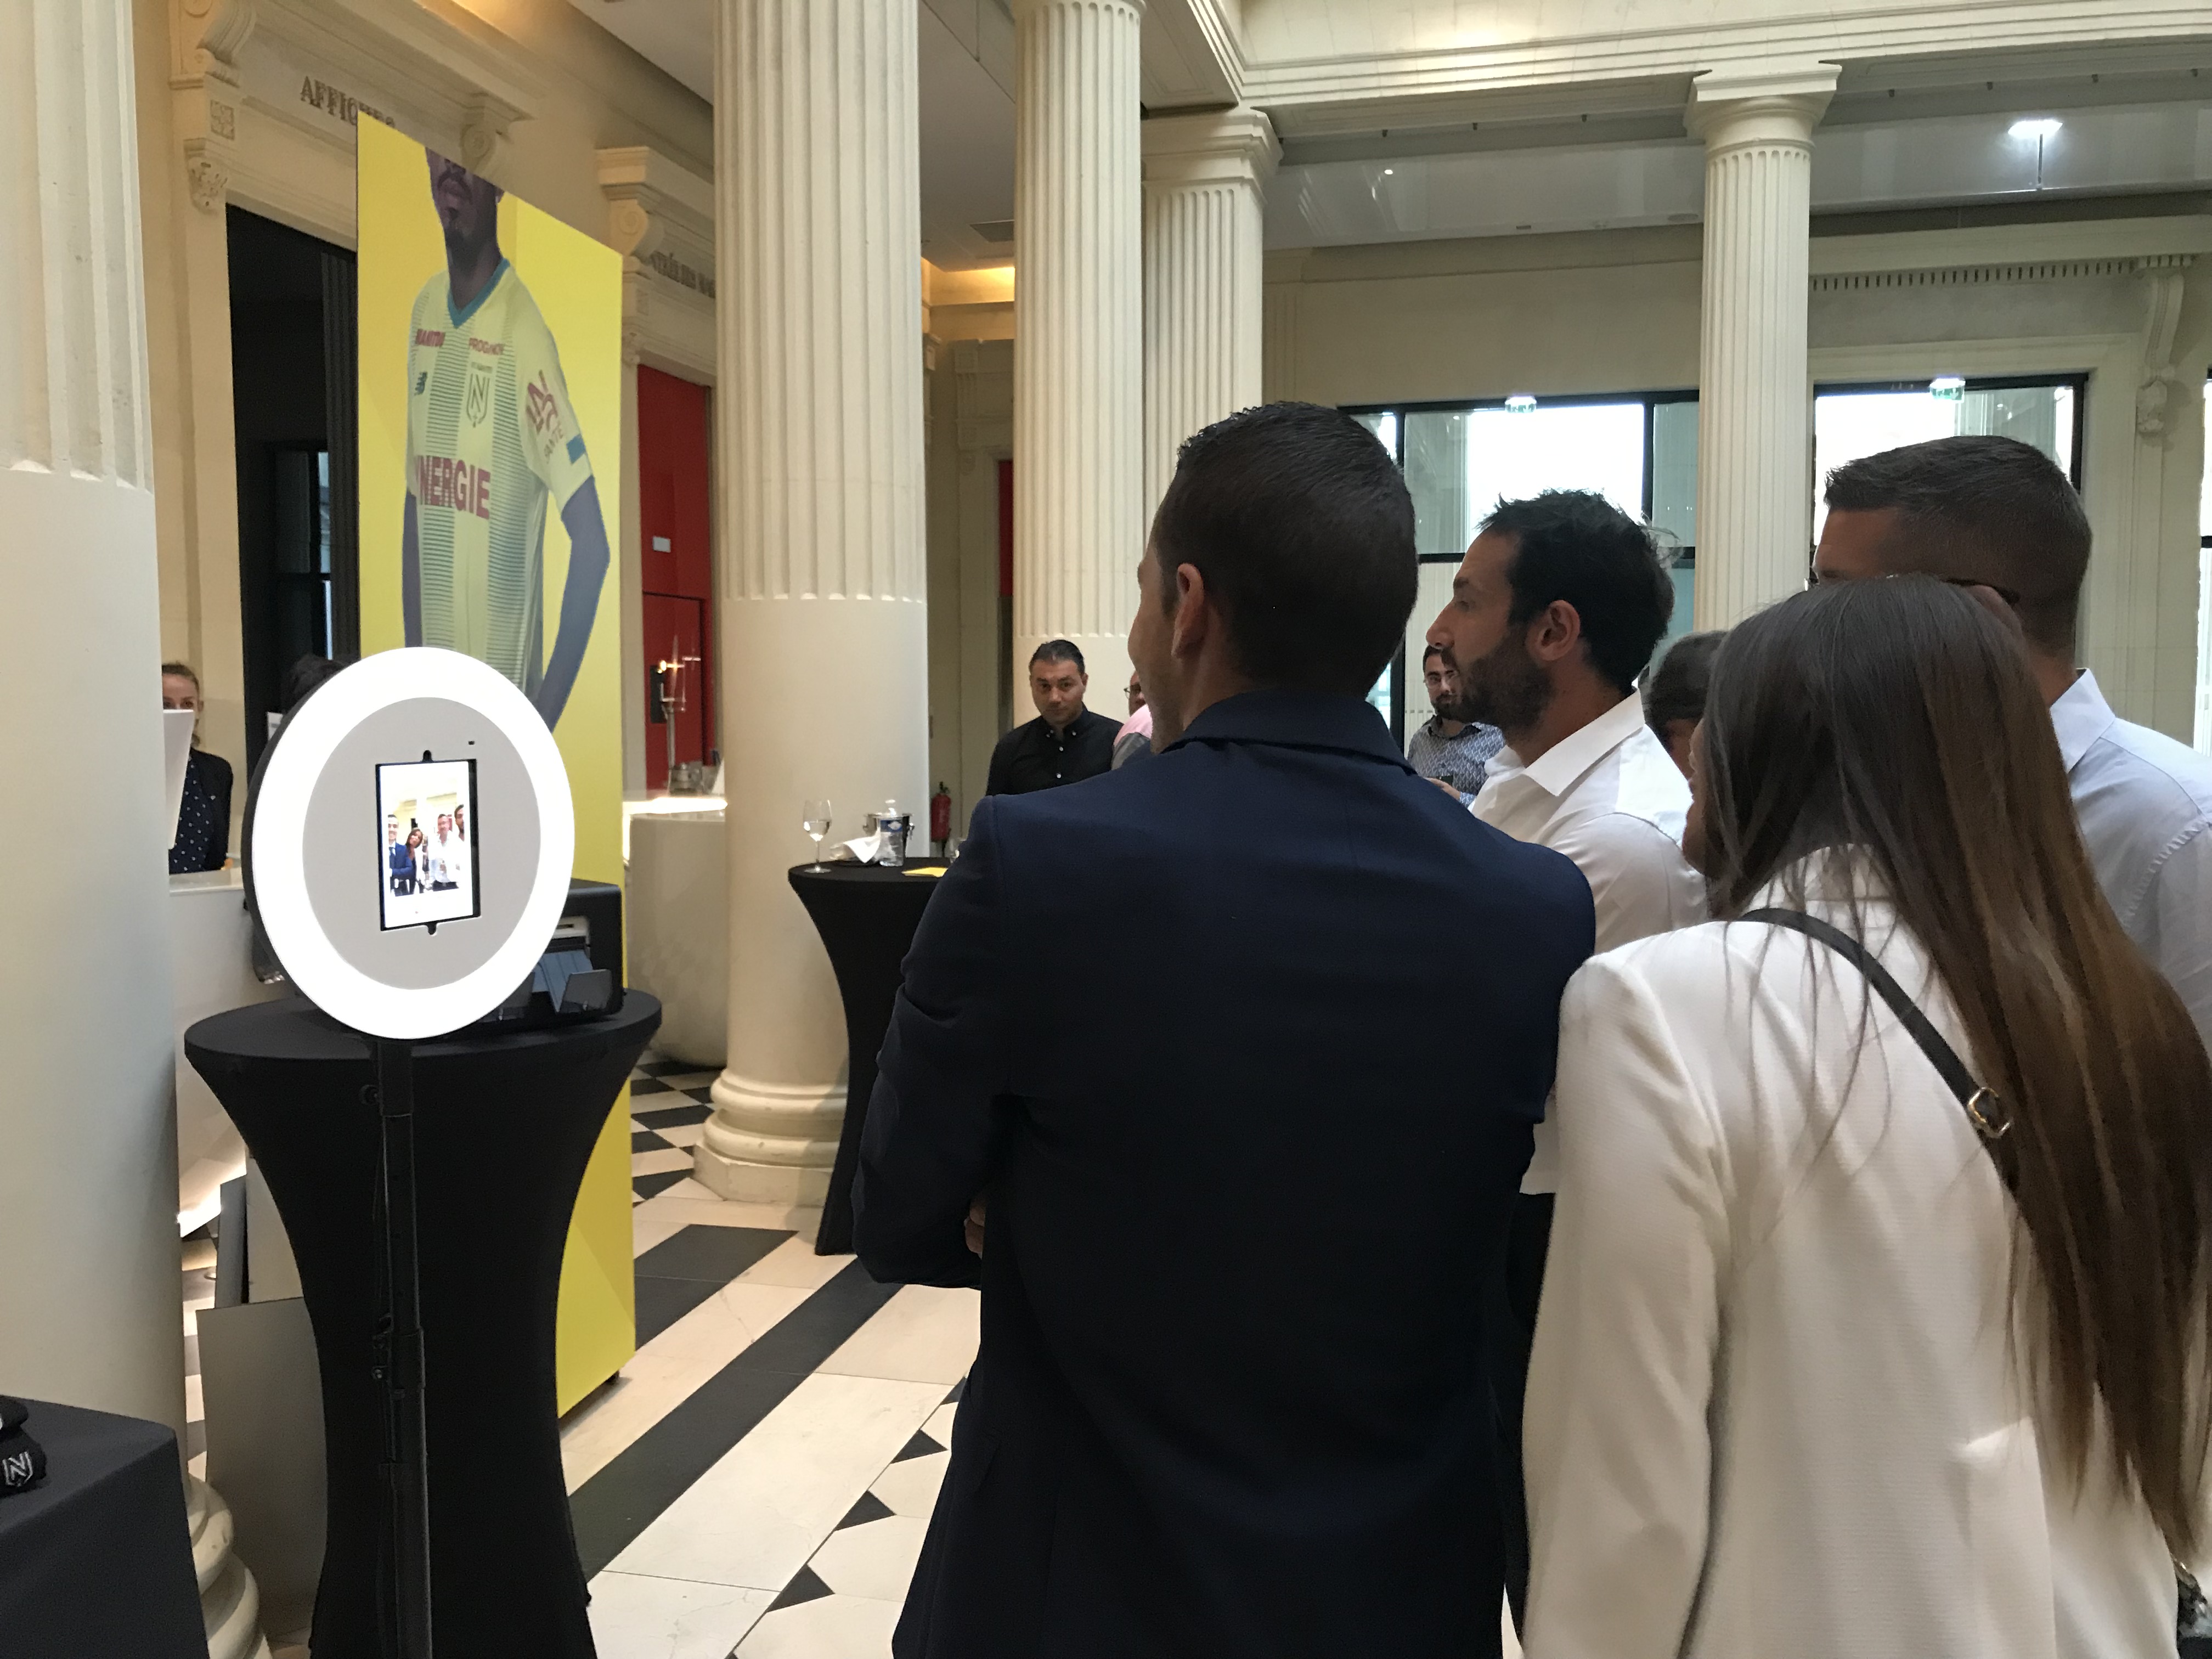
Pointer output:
x,y
1639,450
1850,423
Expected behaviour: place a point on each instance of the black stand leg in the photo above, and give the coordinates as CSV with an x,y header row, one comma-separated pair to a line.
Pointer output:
x,y
404,1613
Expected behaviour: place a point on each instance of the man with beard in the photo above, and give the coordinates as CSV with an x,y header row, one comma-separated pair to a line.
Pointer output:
x,y
491,437
1449,749
1554,612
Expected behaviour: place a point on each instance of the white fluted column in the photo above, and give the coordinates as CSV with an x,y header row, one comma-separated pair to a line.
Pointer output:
x,y
1754,399
1078,335
823,642
1204,180
88,1309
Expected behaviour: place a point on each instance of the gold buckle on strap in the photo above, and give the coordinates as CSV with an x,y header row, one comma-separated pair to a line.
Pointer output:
x,y
1985,1108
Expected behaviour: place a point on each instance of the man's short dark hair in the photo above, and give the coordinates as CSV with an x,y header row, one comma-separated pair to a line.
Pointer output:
x,y
1676,689
1433,651
1982,508
1575,545
1059,651
1300,523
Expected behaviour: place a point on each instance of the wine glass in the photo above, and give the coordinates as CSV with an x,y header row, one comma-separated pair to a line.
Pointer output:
x,y
816,825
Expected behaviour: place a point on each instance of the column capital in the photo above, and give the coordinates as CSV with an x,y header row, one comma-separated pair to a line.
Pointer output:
x,y
1028,8
1225,146
1780,107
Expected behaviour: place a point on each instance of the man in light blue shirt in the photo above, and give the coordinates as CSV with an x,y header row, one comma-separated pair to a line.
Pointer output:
x,y
1995,515
1448,749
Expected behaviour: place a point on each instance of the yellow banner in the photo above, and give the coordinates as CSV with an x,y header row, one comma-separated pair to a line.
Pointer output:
x,y
491,341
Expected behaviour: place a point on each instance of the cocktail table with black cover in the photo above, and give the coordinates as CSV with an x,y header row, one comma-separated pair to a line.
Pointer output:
x,y
866,914
97,1559
504,1128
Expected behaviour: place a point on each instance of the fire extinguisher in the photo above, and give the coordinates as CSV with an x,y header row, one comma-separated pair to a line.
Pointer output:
x,y
940,818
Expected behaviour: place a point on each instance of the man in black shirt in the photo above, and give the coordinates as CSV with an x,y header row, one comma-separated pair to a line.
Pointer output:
x,y
1067,743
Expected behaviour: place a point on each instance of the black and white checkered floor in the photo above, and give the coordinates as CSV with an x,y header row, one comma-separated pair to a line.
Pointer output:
x,y
758,1480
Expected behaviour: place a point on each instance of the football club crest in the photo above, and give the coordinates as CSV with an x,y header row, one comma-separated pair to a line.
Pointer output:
x,y
478,403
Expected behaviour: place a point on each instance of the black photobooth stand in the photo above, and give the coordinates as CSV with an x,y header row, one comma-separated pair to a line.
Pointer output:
x,y
404,1580
481,1140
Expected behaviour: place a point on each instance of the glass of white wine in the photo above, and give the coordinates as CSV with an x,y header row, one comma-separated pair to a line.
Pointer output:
x,y
816,825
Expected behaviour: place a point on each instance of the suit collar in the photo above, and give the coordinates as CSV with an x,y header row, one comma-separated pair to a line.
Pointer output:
x,y
1298,719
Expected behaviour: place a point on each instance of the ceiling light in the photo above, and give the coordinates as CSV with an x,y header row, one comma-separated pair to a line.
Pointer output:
x,y
1388,172
1520,402
1947,388
2037,127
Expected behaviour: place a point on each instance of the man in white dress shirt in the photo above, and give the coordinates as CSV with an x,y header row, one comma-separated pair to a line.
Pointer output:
x,y
1555,611
1995,515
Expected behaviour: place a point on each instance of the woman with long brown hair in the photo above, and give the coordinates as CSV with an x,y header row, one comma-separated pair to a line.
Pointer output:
x,y
1876,1314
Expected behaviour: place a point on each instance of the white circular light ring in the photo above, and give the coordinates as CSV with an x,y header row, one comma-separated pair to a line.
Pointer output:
x,y
308,740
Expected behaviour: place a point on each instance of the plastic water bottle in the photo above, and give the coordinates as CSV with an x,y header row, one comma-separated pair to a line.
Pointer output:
x,y
894,823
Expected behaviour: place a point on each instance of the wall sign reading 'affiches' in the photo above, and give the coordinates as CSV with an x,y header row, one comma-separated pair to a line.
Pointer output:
x,y
335,102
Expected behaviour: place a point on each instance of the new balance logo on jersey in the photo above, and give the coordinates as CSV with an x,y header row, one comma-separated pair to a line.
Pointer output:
x,y
544,412
445,482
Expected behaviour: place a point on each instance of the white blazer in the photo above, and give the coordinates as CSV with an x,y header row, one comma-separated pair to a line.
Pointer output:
x,y
1771,1413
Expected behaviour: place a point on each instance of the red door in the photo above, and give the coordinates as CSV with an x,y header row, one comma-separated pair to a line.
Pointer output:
x,y
674,528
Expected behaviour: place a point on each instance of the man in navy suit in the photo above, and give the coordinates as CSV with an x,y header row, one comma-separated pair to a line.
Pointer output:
x,y
1232,1398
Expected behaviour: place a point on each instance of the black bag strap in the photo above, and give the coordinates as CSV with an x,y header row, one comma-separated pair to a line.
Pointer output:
x,y
1982,1104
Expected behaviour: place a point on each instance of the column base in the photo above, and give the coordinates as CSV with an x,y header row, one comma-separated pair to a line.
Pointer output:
x,y
769,1143
230,1601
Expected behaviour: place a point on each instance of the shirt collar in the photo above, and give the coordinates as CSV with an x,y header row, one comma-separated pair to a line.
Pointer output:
x,y
2080,717
1298,720
460,314
1565,763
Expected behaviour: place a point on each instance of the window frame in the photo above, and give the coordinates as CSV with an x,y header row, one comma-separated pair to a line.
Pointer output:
x,y
2079,382
1686,554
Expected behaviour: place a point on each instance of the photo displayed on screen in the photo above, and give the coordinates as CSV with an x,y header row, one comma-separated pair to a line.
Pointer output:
x,y
426,813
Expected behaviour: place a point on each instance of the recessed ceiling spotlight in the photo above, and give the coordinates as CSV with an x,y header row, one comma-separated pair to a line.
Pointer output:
x,y
2037,126
1388,172
1520,402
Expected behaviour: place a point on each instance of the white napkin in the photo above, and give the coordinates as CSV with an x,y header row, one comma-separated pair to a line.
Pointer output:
x,y
865,849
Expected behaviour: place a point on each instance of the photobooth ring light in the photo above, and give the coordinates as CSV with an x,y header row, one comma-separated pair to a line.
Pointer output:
x,y
309,740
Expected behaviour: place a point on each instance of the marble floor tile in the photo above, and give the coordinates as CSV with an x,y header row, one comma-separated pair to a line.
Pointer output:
x,y
874,1559
639,1618
793,1262
704,1205
939,1426
682,1134
689,1079
909,1486
661,1161
765,1506
924,1334
828,1627
666,1372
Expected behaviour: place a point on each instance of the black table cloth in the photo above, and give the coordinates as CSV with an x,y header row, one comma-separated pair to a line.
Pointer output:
x,y
98,1559
866,914
504,1126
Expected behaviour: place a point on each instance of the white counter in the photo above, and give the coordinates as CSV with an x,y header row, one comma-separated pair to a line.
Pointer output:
x,y
211,956
678,907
